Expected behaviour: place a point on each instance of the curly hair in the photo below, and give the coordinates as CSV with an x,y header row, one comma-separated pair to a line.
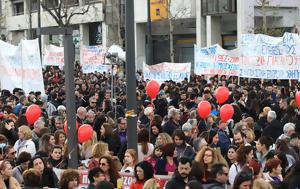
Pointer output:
x,y
67,176
113,171
216,154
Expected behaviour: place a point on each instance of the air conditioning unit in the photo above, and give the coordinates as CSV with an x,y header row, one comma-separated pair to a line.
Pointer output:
x,y
218,7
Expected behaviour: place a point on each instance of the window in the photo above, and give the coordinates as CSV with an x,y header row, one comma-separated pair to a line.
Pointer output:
x,y
34,5
217,7
50,3
71,2
18,7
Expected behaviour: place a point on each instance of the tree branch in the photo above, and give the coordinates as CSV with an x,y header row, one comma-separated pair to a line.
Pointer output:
x,y
54,15
73,13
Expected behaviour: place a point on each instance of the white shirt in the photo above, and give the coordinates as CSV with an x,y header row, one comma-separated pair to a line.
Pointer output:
x,y
141,155
25,146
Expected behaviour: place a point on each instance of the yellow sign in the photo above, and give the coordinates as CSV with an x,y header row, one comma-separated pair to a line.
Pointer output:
x,y
158,9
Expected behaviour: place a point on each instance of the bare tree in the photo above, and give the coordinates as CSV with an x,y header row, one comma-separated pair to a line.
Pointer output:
x,y
61,10
173,15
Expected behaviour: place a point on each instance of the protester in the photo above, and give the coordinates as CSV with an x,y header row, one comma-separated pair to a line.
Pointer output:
x,y
109,168
143,171
69,179
219,177
130,160
95,176
32,179
7,180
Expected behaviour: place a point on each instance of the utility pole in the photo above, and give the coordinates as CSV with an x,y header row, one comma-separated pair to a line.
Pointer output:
x,y
149,47
130,76
39,26
29,4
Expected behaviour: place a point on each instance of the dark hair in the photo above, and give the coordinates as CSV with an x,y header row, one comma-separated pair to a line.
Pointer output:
x,y
143,138
241,177
56,136
32,178
168,149
56,147
212,133
197,170
108,130
23,157
217,168
179,133
153,156
34,158
194,184
267,141
113,172
67,176
242,153
185,160
104,185
94,172
147,168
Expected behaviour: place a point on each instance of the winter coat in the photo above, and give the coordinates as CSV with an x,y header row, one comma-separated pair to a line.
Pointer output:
x,y
176,182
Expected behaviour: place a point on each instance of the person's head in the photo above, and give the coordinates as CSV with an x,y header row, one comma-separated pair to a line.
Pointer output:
x,y
69,179
143,171
37,163
213,137
96,175
24,132
271,116
163,138
104,185
90,116
295,140
9,152
174,114
289,129
206,155
122,123
99,149
219,172
256,167
260,183
231,153
24,159
107,164
243,180
130,157
106,130
47,141
283,104
6,169
32,178
157,152
81,112
59,122
60,137
187,129
178,137
38,125
184,167
264,143
244,154
56,152
169,150
239,137
222,125
193,184
151,184
273,166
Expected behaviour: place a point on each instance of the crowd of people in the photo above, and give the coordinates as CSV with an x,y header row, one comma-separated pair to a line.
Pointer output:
x,y
258,148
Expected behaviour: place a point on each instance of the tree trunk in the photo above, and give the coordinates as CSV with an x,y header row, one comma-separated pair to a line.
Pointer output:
x,y
171,40
264,14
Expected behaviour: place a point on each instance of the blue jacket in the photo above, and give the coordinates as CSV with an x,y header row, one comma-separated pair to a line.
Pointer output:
x,y
224,141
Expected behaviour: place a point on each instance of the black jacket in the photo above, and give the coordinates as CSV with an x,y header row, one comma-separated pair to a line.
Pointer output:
x,y
213,184
49,178
161,164
274,130
176,182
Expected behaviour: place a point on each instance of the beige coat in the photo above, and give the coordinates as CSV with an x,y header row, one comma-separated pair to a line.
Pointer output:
x,y
13,183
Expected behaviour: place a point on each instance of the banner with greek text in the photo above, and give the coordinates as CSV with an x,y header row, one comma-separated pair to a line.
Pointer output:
x,y
167,71
268,57
93,59
215,60
20,66
258,56
54,56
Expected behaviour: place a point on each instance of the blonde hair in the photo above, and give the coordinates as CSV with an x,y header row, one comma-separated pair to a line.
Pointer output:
x,y
166,138
27,132
99,149
151,184
133,154
216,154
89,143
260,183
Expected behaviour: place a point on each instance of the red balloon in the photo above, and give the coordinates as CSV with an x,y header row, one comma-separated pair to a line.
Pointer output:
x,y
298,98
222,94
204,109
66,126
152,88
33,112
85,132
226,112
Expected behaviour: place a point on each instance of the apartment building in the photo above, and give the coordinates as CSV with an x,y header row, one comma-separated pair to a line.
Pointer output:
x,y
223,21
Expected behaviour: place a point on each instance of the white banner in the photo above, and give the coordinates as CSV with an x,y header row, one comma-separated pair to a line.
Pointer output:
x,y
167,71
54,56
259,56
20,66
93,58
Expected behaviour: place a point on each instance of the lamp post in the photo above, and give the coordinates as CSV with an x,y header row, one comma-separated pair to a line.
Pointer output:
x,y
130,75
149,47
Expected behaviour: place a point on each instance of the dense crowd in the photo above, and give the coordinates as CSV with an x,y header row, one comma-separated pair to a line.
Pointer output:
x,y
258,148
